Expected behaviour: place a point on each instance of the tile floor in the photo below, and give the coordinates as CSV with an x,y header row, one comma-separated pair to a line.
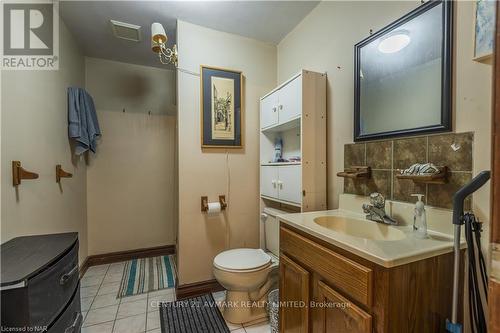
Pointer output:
x,y
104,313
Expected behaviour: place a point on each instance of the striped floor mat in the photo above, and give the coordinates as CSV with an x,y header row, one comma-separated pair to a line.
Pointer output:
x,y
194,315
147,274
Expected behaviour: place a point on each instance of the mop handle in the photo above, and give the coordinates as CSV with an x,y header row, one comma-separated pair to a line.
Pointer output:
x,y
456,274
458,212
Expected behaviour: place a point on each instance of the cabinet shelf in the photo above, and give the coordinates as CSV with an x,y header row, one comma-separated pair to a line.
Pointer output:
x,y
280,163
292,123
295,204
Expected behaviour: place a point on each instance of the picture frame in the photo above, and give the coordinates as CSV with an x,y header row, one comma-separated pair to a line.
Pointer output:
x,y
221,104
484,29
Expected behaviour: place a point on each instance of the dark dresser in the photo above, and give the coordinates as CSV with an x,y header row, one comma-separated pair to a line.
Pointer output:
x,y
39,284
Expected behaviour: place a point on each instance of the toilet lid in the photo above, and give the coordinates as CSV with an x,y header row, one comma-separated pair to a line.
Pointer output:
x,y
242,259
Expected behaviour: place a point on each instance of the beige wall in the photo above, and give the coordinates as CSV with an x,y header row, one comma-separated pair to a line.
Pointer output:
x,y
35,132
324,41
130,181
234,173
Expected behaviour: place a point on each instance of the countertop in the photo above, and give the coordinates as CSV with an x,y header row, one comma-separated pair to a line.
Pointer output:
x,y
23,257
382,252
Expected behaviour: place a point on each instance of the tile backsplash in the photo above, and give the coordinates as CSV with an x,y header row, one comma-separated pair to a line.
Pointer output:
x,y
386,157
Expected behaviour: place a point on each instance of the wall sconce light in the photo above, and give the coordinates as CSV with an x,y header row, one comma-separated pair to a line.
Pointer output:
x,y
159,45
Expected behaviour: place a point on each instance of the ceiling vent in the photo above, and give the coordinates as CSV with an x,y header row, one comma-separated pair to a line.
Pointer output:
x,y
126,30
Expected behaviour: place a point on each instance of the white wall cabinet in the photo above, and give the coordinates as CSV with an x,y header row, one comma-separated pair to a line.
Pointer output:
x,y
290,100
290,183
269,181
282,105
282,183
269,110
294,112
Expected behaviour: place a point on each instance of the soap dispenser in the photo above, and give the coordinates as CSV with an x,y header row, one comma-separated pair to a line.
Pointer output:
x,y
419,219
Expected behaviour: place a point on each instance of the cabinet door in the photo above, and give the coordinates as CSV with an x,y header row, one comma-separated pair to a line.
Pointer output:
x,y
290,183
269,181
290,100
294,290
337,314
269,110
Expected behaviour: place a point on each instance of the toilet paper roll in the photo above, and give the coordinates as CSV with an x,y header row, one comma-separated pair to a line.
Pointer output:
x,y
214,208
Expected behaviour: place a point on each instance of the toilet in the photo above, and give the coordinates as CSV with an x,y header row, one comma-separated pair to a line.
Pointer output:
x,y
248,274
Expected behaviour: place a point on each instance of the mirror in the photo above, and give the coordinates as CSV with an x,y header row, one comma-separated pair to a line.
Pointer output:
x,y
402,76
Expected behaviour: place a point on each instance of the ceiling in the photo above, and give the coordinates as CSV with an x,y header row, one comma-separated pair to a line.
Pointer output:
x,y
88,21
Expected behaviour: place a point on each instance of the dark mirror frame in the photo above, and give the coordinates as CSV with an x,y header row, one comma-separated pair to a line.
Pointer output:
x,y
446,74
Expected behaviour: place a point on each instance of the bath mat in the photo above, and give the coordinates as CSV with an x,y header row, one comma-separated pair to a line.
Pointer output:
x,y
193,315
147,274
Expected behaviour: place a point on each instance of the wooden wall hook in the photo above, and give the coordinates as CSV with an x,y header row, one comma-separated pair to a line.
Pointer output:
x,y
19,173
60,173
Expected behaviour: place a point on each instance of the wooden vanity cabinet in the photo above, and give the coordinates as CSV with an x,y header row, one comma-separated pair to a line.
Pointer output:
x,y
297,282
326,289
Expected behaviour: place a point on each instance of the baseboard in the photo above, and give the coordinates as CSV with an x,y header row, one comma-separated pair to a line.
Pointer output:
x,y
197,289
84,267
108,258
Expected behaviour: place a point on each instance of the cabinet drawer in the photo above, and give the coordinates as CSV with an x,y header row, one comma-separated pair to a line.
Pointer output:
x,y
345,275
51,290
70,321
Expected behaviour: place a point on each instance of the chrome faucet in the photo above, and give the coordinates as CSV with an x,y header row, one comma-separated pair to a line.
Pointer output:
x,y
376,211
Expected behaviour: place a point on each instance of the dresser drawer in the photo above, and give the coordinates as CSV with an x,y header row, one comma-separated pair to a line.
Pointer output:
x,y
342,273
51,290
70,321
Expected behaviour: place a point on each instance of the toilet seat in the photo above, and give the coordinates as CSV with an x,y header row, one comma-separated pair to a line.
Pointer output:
x,y
242,260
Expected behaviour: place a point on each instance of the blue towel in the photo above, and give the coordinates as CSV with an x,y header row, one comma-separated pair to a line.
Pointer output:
x,y
83,126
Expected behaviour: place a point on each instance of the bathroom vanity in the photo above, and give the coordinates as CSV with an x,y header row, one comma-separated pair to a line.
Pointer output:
x,y
353,275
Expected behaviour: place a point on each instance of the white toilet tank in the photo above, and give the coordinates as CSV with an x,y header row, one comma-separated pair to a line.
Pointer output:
x,y
272,229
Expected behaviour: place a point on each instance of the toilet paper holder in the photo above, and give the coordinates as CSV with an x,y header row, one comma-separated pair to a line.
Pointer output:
x,y
204,203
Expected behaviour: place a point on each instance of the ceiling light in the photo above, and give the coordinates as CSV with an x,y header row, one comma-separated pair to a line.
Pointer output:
x,y
394,43
158,45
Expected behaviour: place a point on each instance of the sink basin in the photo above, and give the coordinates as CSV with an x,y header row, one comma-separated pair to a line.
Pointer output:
x,y
360,228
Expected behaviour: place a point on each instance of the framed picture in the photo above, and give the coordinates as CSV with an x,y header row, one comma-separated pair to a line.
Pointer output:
x,y
221,108
484,29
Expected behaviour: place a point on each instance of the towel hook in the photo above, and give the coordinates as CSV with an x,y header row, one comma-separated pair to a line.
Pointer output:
x,y
60,173
19,173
